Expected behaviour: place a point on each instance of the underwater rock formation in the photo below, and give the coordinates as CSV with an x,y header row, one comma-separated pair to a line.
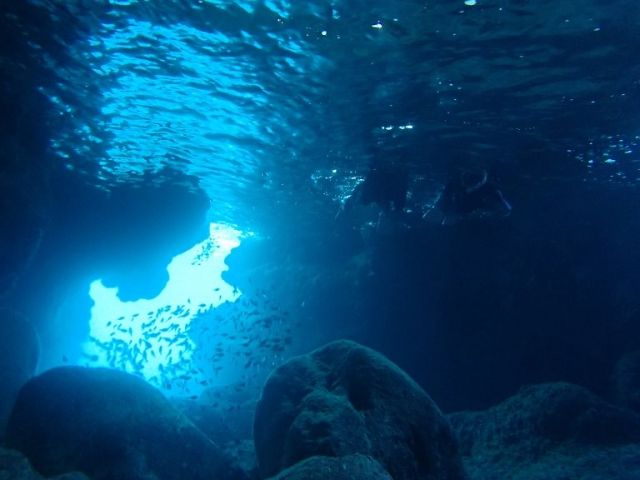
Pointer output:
x,y
109,424
349,467
345,399
19,351
15,466
220,423
626,381
550,431
26,164
22,223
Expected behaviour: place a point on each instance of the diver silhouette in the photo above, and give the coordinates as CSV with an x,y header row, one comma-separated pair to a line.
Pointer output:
x,y
386,185
471,194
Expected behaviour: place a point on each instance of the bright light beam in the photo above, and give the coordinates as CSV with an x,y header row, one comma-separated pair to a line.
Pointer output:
x,y
150,337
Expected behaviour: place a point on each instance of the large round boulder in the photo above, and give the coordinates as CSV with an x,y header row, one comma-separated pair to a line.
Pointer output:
x,y
345,399
550,431
626,380
350,467
15,466
19,351
109,425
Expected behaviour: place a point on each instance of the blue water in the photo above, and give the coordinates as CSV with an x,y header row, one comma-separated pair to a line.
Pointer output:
x,y
253,98
162,118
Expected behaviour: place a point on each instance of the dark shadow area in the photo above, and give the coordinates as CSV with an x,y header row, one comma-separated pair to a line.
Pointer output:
x,y
125,237
476,310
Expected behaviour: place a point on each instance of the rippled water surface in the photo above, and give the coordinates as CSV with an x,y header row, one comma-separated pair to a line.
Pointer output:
x,y
257,99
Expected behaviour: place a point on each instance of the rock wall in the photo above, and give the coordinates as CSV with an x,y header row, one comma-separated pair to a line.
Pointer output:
x,y
344,400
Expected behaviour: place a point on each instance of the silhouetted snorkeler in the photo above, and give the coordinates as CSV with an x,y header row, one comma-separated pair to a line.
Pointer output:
x,y
386,185
471,194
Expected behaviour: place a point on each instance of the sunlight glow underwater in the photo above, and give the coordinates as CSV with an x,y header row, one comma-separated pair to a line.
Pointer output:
x,y
150,337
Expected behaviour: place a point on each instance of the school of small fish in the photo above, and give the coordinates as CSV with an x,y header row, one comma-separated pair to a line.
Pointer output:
x,y
249,336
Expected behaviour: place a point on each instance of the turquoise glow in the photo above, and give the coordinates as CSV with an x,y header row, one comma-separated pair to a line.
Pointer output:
x,y
179,102
150,337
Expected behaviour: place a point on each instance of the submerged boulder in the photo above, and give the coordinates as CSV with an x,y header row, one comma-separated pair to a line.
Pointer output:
x,y
350,467
15,466
626,381
345,399
550,431
109,425
219,422
19,351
